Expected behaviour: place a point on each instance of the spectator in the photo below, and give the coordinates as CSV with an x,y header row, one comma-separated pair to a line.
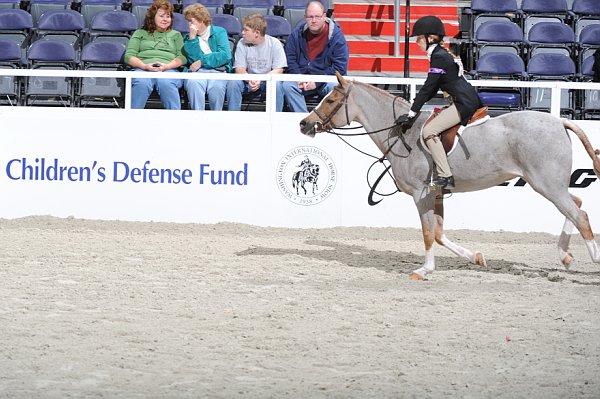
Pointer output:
x,y
208,51
256,52
315,47
156,48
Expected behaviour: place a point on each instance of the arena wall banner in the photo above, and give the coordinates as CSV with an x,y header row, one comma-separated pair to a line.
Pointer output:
x,y
210,167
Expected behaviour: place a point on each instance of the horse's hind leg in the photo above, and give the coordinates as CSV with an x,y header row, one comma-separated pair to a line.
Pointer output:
x,y
569,206
565,237
474,257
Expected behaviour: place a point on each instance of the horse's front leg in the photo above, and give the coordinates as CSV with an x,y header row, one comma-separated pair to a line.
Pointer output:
x,y
425,206
476,258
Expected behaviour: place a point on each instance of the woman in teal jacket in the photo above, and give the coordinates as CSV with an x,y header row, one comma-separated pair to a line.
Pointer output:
x,y
208,51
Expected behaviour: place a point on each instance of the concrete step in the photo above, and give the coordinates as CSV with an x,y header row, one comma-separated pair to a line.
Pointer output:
x,y
386,11
378,45
367,64
384,27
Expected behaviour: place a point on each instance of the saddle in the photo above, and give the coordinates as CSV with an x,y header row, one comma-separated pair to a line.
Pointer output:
x,y
448,136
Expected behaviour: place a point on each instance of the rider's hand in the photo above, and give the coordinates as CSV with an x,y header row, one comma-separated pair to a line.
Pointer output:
x,y
406,122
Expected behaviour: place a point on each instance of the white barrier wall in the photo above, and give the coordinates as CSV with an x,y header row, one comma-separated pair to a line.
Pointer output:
x,y
207,167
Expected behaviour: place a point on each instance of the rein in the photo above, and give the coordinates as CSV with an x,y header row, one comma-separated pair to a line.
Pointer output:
x,y
394,130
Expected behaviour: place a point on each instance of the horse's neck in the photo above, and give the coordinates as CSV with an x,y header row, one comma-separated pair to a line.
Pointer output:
x,y
378,112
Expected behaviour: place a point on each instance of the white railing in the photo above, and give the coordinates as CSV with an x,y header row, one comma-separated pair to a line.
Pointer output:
x,y
555,86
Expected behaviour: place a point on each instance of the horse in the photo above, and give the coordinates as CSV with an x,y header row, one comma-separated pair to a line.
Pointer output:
x,y
309,175
528,144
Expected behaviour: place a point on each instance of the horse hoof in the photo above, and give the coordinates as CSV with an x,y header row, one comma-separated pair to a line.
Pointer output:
x,y
479,259
415,277
567,260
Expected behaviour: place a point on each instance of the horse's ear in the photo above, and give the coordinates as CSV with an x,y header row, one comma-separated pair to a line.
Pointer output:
x,y
340,79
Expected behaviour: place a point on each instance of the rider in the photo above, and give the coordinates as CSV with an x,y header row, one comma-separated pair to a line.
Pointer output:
x,y
446,73
306,163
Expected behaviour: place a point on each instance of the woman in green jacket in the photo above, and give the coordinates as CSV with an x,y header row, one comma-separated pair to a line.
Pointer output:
x,y
156,48
207,50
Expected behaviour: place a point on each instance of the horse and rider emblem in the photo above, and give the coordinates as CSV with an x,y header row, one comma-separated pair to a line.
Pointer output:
x,y
309,174
306,175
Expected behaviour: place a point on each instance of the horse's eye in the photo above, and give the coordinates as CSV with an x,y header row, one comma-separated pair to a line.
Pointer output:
x,y
330,101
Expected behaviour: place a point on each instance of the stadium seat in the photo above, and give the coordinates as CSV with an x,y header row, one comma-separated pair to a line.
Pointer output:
x,y
545,7
231,24
293,10
54,91
540,10
498,35
213,6
278,27
233,27
12,4
180,24
482,10
65,25
493,6
17,25
551,37
89,8
10,88
589,36
241,8
115,26
102,92
550,66
504,66
39,7
586,8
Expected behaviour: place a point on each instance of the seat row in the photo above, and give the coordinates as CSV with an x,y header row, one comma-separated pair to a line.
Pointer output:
x,y
521,10
114,25
540,67
292,10
544,36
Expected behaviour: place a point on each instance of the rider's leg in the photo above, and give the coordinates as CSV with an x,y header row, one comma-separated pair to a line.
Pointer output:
x,y
446,119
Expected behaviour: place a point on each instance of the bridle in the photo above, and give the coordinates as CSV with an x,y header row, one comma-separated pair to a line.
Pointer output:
x,y
325,124
325,121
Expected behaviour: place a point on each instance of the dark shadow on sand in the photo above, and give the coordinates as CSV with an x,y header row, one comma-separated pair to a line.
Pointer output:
x,y
405,262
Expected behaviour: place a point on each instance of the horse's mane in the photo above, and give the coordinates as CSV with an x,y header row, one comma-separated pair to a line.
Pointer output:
x,y
383,92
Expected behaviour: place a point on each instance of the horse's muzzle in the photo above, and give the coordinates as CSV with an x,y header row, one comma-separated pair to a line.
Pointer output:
x,y
308,128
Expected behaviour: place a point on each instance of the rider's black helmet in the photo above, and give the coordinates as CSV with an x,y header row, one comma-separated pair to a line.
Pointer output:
x,y
429,25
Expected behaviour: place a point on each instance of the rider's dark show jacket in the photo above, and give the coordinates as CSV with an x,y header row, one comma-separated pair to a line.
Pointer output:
x,y
444,74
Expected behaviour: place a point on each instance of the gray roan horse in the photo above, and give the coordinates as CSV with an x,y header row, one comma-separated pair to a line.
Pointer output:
x,y
527,144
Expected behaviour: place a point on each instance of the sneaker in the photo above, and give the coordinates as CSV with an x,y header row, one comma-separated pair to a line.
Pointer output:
x,y
444,182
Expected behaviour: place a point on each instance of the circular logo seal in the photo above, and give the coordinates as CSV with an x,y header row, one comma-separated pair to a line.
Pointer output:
x,y
306,175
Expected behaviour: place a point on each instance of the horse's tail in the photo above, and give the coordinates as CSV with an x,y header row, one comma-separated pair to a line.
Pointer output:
x,y
594,154
295,179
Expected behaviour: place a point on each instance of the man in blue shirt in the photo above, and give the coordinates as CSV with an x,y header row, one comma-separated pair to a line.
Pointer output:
x,y
315,47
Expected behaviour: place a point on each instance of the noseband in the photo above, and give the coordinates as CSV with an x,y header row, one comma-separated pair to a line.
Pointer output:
x,y
326,121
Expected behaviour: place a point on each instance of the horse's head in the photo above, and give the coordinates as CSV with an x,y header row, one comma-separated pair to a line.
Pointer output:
x,y
328,114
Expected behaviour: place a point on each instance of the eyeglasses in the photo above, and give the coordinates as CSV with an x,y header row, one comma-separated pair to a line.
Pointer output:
x,y
313,17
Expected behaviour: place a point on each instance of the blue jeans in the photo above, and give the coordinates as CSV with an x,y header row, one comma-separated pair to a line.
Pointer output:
x,y
238,88
197,90
295,97
168,90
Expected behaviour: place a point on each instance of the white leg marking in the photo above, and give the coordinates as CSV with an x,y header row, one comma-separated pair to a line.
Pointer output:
x,y
464,252
563,242
456,249
429,265
594,250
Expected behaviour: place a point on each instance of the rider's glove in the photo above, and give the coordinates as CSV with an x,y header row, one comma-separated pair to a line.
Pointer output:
x,y
407,121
